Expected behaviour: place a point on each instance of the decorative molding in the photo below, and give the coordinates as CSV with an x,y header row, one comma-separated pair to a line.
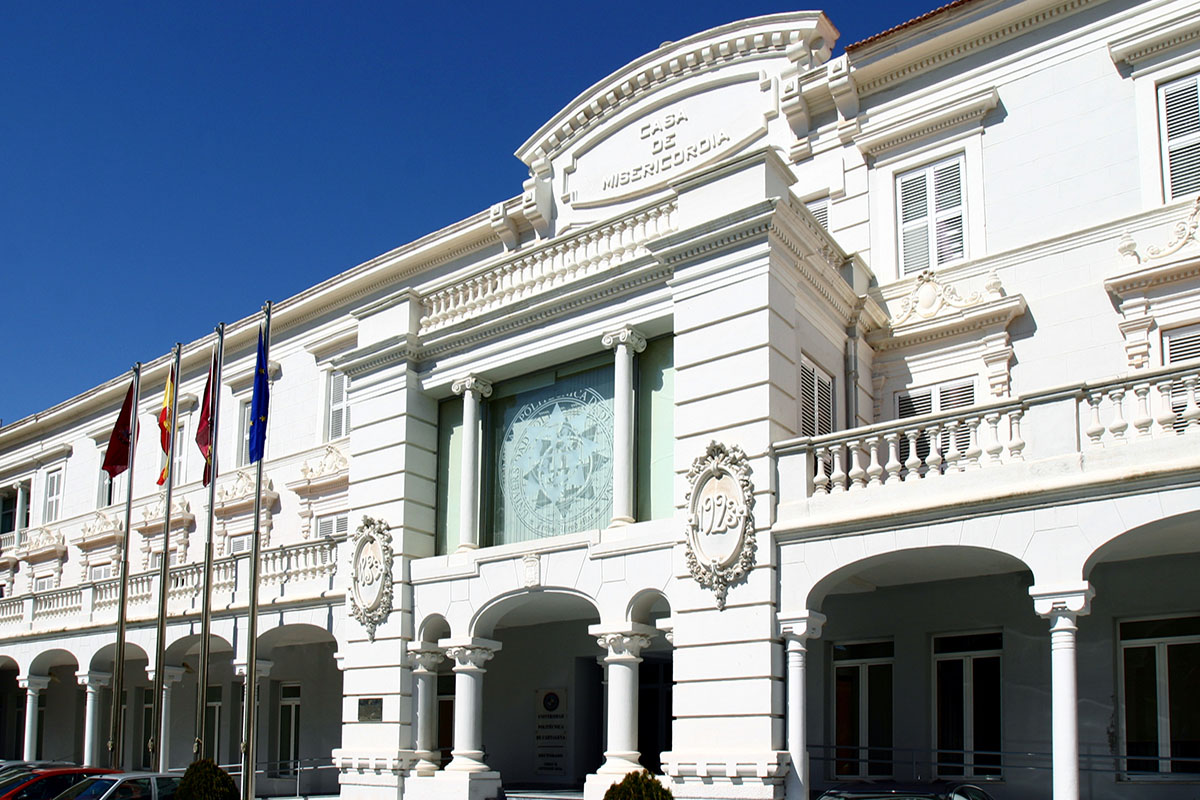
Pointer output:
x,y
100,531
471,657
40,544
327,475
371,574
531,570
803,626
624,645
1178,31
910,125
1184,233
624,337
237,494
720,519
1066,600
240,380
472,383
929,296
152,516
427,658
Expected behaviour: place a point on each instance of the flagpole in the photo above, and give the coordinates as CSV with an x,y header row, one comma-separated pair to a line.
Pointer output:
x,y
154,743
251,682
118,679
214,400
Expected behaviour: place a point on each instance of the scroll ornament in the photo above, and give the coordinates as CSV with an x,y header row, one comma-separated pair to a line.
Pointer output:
x,y
720,520
371,575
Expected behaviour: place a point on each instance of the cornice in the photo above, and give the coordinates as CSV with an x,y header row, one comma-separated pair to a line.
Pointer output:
x,y
722,233
985,316
393,350
923,48
1139,280
804,37
887,133
1151,41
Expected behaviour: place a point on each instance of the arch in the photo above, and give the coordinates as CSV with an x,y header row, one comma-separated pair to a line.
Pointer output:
x,y
102,660
183,647
295,633
647,606
432,628
9,662
914,565
574,605
1161,537
46,660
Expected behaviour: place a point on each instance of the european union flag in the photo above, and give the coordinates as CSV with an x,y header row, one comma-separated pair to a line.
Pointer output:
x,y
259,403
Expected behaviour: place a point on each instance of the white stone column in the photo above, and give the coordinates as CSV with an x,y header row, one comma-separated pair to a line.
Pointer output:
x,y
22,505
426,660
33,685
92,683
473,389
171,675
796,633
469,656
626,342
624,648
262,670
1062,605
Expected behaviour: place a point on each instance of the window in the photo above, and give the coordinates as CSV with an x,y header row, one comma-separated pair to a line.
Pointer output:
x,y
816,400
1160,690
109,490
8,513
1179,345
180,453
967,731
289,729
147,732
240,544
45,583
41,719
156,559
820,210
243,457
212,723
862,709
654,438
333,525
1179,129
935,399
337,407
100,572
931,211
53,506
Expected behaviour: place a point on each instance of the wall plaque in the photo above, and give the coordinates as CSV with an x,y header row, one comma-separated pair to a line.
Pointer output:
x,y
370,709
371,575
720,520
550,737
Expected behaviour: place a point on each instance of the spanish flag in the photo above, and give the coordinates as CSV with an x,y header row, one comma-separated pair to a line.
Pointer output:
x,y
164,425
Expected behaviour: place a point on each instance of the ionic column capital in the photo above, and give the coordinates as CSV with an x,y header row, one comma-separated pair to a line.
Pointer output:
x,y
800,628
624,336
1062,600
469,654
427,658
625,643
472,383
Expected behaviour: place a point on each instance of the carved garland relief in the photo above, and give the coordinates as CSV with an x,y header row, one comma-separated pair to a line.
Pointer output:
x,y
720,521
371,575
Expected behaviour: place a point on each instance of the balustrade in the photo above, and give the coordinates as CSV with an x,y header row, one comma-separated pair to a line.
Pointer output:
x,y
60,603
1157,407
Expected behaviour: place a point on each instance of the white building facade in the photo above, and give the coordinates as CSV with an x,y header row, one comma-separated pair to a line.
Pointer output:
x,y
803,420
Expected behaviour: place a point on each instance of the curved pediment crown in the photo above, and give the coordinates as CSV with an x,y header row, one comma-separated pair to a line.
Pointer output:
x,y
805,38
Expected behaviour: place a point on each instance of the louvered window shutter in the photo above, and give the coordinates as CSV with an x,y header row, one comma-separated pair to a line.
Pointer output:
x,y
816,400
333,525
961,395
1180,124
1179,346
824,405
932,216
337,409
914,405
820,210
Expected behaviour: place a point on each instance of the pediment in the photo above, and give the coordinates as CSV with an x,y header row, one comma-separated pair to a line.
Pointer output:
x,y
935,310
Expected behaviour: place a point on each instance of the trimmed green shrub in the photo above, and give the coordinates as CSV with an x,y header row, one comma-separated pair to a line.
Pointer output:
x,y
204,780
637,786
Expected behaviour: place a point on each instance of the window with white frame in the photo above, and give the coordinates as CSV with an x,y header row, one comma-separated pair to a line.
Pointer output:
x,y
933,400
100,572
1179,345
333,525
289,729
816,400
337,407
967,705
1179,130
931,215
243,453
44,583
180,455
862,709
1160,694
156,559
53,505
212,723
109,490
240,544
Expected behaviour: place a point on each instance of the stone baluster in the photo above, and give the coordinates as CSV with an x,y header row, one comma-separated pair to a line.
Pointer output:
x,y
893,465
837,476
1191,413
857,475
874,469
1118,425
1095,431
974,451
1166,409
1142,421
995,446
1016,445
953,453
820,479
912,464
933,462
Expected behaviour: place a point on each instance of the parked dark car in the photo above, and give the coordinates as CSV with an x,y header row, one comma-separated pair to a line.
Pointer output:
x,y
125,786
893,790
45,784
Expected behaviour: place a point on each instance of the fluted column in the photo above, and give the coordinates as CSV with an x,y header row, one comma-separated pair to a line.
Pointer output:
x,y
623,654
626,342
1062,605
469,655
474,390
92,683
426,660
796,633
33,685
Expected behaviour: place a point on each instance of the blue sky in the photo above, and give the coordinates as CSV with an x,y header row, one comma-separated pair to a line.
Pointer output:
x,y
165,166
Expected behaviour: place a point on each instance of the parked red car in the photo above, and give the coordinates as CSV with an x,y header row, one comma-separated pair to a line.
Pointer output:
x,y
44,784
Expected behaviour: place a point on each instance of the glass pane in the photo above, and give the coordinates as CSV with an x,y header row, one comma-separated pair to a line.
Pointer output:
x,y
553,451
1183,678
862,651
449,473
972,642
1141,709
846,733
166,787
656,430
879,719
985,673
1160,628
950,729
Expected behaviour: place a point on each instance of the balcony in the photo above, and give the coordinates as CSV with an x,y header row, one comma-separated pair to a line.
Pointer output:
x,y
1057,444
